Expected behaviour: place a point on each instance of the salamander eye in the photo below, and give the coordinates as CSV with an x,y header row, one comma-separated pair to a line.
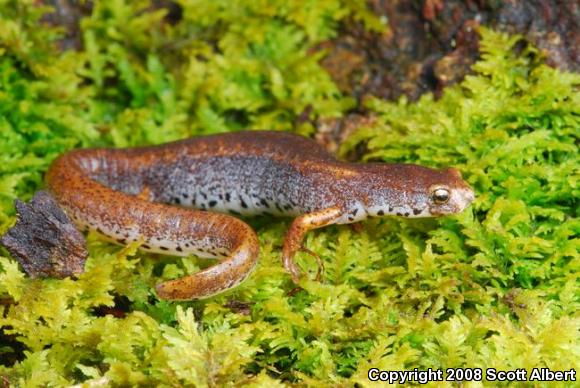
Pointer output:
x,y
440,196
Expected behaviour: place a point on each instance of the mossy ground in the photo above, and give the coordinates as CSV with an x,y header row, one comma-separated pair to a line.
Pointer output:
x,y
496,286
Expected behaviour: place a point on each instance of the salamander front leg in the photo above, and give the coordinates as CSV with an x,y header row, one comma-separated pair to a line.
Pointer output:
x,y
300,226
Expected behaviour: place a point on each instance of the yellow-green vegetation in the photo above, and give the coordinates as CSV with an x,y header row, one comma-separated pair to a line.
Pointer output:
x,y
496,286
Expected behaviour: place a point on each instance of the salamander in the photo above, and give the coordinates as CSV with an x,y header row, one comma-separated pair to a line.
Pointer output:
x,y
183,198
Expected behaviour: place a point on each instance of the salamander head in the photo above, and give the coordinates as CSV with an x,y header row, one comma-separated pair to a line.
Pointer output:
x,y
416,191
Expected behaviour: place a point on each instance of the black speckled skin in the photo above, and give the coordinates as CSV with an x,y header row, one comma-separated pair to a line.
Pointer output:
x,y
123,194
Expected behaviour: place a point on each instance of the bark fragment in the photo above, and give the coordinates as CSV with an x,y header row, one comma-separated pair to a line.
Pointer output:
x,y
44,240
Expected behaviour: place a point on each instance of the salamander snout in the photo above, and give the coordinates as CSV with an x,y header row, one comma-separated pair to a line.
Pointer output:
x,y
450,199
408,190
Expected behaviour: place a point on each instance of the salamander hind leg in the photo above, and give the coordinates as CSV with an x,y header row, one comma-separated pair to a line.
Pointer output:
x,y
295,235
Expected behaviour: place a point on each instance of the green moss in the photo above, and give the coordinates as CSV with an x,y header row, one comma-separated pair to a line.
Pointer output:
x,y
496,286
